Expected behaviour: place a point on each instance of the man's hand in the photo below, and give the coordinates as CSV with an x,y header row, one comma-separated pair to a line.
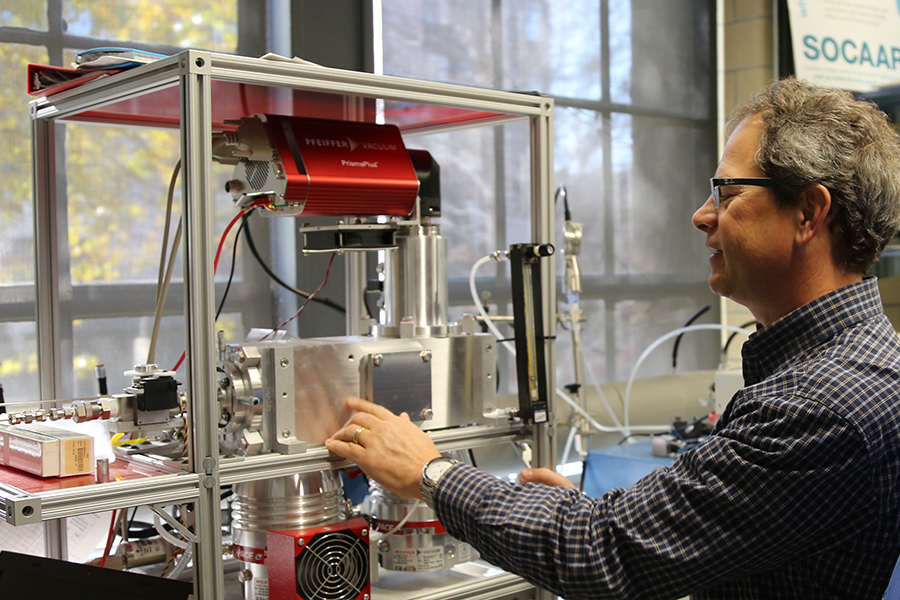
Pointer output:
x,y
390,449
545,476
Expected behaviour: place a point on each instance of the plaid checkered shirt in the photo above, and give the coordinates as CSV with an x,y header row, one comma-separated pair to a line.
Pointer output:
x,y
794,495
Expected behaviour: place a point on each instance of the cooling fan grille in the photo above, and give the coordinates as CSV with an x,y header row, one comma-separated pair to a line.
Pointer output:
x,y
333,566
327,562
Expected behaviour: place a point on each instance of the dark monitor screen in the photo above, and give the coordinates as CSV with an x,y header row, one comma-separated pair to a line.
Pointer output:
x,y
35,578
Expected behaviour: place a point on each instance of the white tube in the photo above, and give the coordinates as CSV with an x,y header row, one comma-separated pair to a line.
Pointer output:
x,y
571,438
166,535
654,346
162,284
598,426
581,450
474,291
402,521
605,400
182,563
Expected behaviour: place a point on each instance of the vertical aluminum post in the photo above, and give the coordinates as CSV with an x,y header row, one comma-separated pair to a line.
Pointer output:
x,y
542,231
355,282
46,288
46,258
199,302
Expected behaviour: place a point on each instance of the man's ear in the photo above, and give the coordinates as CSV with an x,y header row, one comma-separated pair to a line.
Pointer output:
x,y
812,212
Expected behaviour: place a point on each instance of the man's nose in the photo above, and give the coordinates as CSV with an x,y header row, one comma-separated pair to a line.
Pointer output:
x,y
706,216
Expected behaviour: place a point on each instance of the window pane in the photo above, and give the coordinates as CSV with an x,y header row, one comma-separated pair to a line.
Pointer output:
x,y
656,198
16,203
553,47
118,180
578,160
30,14
636,202
620,52
639,323
207,24
517,174
593,347
18,363
121,343
439,40
467,194
671,61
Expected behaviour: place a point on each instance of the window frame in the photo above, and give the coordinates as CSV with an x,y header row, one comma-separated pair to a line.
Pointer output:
x,y
95,300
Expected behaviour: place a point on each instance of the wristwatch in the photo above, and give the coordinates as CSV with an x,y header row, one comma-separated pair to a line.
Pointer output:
x,y
431,475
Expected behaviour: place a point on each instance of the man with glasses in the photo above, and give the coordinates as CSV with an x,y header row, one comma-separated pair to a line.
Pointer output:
x,y
796,494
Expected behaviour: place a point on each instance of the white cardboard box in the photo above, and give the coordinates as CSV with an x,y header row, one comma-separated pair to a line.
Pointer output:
x,y
46,451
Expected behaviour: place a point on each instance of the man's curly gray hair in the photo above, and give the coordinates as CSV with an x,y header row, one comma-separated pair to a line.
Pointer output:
x,y
821,135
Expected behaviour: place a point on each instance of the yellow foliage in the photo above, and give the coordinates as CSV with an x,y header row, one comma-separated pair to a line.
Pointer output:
x,y
11,367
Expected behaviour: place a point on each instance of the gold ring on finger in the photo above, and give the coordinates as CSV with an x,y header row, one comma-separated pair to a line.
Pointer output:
x,y
359,430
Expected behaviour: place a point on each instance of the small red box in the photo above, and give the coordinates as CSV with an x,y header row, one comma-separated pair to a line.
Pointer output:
x,y
329,562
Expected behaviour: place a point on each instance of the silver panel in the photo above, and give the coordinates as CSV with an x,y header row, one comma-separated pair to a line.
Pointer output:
x,y
307,381
401,381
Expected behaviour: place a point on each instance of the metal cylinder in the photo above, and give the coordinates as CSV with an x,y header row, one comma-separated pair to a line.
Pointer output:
x,y
416,280
291,502
102,470
139,553
421,544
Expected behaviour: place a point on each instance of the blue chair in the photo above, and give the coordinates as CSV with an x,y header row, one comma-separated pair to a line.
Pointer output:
x,y
893,589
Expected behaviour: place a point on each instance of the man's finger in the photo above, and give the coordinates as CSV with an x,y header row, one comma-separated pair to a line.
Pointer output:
x,y
349,450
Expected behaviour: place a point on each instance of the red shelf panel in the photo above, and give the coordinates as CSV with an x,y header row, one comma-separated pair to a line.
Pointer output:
x,y
121,470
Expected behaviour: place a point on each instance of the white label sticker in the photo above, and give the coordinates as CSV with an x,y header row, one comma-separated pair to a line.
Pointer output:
x,y
430,559
260,588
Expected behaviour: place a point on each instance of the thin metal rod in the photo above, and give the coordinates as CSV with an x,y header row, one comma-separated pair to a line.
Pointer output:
x,y
69,401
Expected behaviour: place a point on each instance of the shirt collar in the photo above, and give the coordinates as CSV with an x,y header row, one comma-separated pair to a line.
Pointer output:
x,y
772,348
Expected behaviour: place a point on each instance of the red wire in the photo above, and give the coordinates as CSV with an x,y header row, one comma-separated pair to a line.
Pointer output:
x,y
225,235
180,360
237,217
109,538
308,299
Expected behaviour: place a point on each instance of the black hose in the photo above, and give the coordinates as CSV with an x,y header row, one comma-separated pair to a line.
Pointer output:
x,y
734,333
693,318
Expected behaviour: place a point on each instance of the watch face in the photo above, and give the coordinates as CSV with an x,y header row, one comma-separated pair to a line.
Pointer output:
x,y
436,468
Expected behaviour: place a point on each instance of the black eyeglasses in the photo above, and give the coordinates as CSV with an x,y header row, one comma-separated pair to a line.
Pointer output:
x,y
716,182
